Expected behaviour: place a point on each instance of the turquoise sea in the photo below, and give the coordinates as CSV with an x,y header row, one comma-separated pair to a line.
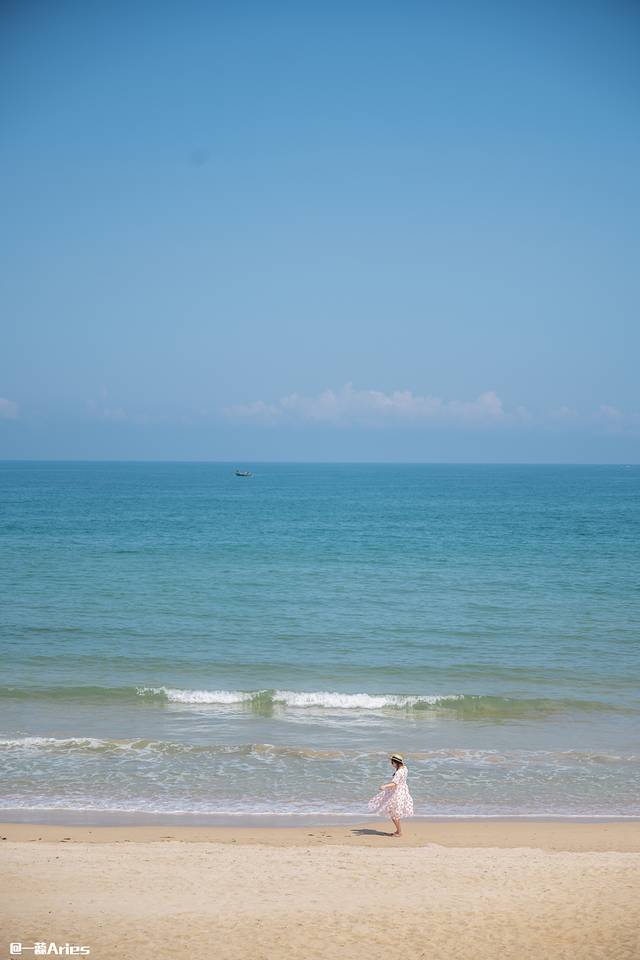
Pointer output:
x,y
176,640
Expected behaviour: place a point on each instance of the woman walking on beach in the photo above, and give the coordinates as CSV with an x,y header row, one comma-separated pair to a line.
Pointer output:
x,y
394,798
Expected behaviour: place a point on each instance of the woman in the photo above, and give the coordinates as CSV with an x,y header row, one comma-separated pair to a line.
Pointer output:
x,y
394,798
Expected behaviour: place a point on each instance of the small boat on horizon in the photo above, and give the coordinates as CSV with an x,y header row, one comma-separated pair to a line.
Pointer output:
x,y
243,473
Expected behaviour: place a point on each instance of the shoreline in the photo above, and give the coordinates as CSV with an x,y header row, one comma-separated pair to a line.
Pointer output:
x,y
548,835
53,816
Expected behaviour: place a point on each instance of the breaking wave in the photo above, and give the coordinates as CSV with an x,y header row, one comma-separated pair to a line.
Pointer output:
x,y
455,705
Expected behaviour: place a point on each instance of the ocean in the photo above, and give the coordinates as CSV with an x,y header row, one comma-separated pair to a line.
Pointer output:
x,y
179,642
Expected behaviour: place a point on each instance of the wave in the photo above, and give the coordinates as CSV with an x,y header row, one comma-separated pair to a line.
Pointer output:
x,y
162,747
456,705
68,745
61,811
464,706
293,698
110,813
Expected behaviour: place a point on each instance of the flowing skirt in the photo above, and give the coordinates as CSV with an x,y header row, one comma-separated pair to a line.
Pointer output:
x,y
393,803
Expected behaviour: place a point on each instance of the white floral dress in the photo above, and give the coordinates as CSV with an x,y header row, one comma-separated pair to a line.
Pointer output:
x,y
395,802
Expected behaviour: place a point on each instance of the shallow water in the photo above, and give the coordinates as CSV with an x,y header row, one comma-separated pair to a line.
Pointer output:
x,y
176,639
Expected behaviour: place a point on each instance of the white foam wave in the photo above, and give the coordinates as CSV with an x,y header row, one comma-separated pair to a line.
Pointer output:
x,y
353,701
294,698
303,812
175,695
36,742
514,758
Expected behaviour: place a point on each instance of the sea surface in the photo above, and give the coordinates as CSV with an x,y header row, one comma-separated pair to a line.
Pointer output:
x,y
179,641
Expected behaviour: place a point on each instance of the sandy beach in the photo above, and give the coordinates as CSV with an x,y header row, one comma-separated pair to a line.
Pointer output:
x,y
464,889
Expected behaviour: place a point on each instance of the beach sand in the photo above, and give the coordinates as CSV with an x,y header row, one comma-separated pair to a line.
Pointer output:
x,y
469,890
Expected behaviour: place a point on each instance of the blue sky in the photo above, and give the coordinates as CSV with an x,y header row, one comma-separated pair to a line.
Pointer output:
x,y
252,231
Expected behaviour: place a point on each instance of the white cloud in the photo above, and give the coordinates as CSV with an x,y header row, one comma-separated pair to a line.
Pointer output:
x,y
374,407
8,409
101,411
564,413
607,412
615,420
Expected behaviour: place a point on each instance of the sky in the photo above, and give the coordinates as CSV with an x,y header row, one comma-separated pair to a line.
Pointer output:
x,y
320,231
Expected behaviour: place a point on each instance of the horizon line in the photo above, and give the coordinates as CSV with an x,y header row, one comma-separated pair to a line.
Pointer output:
x,y
470,463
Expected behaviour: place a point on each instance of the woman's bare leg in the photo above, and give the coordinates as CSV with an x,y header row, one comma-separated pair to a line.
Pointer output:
x,y
396,823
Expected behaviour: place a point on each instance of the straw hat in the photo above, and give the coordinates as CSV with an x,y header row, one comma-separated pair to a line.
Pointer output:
x,y
397,756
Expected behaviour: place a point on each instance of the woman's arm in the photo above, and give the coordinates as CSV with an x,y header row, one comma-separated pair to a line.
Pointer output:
x,y
394,783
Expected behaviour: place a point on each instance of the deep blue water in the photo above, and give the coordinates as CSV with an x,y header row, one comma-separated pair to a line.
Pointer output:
x,y
175,638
